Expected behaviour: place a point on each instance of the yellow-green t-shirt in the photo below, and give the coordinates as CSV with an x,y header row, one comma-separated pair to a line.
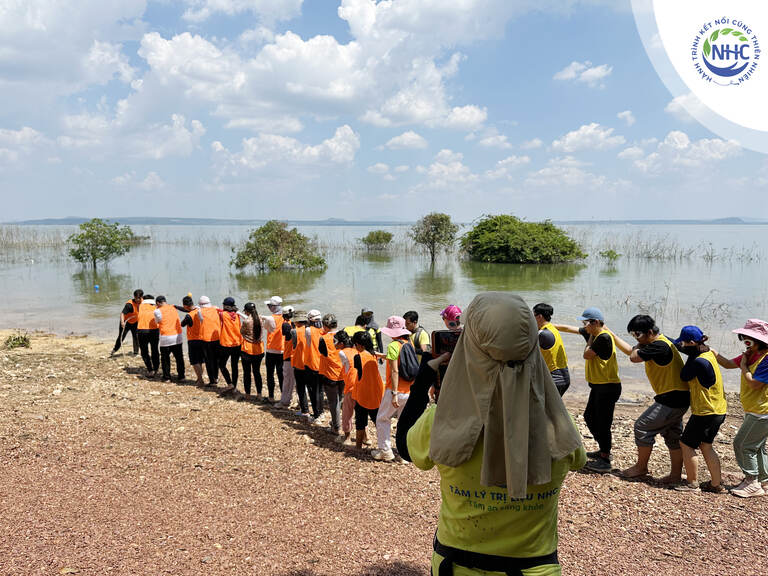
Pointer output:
x,y
424,342
484,519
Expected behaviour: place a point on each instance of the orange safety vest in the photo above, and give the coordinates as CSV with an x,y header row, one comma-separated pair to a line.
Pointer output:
x,y
276,340
288,349
350,377
211,324
369,389
170,324
230,330
147,316
297,359
133,317
330,366
254,348
403,386
311,352
194,332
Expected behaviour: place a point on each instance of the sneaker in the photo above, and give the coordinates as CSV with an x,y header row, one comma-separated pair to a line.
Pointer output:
x,y
687,487
348,442
341,439
383,455
593,455
707,487
600,464
753,488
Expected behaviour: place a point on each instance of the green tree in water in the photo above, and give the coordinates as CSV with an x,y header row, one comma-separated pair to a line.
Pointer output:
x,y
377,240
434,232
100,241
275,247
505,238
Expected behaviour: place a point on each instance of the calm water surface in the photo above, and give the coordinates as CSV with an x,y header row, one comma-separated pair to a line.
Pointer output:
x,y
44,290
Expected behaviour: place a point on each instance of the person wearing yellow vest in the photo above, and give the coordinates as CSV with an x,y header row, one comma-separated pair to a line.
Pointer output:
x,y
749,444
358,326
275,346
670,403
373,329
195,343
171,338
397,389
552,348
419,336
602,373
129,321
331,371
708,409
149,335
210,322
230,342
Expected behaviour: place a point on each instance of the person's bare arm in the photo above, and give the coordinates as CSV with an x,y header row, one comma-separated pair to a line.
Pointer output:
x,y
394,374
723,361
567,328
622,344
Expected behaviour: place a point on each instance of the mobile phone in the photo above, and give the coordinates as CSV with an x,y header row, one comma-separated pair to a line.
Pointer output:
x,y
444,341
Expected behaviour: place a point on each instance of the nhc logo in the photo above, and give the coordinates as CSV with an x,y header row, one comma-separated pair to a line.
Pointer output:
x,y
725,52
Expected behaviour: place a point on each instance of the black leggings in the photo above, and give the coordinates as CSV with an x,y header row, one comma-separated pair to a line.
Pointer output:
x,y
315,390
414,408
362,415
598,414
165,360
231,353
211,351
148,342
301,389
252,363
274,363
133,329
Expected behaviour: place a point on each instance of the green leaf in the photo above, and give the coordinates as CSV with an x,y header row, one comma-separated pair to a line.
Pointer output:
x,y
737,32
714,36
743,39
707,48
726,31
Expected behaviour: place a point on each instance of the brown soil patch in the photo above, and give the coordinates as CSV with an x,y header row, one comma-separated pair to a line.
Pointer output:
x,y
105,472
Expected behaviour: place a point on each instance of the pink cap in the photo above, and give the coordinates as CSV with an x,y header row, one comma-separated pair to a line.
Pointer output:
x,y
396,327
754,328
452,313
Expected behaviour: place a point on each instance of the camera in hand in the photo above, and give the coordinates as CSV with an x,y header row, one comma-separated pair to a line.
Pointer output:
x,y
444,341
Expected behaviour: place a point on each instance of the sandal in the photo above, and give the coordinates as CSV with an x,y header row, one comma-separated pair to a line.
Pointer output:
x,y
707,487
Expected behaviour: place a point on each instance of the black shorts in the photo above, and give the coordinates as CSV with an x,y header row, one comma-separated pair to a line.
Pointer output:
x,y
701,429
196,351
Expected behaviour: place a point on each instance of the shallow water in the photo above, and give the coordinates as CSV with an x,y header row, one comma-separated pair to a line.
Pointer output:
x,y
44,290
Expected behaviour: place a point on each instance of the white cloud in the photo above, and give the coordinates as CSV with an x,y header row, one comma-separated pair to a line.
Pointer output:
x,y
677,152
17,144
585,73
269,10
631,153
151,183
407,140
106,61
402,168
495,141
505,166
680,105
588,137
378,168
627,116
532,144
565,172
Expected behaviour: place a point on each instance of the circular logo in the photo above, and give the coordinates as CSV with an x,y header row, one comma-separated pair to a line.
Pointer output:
x,y
725,52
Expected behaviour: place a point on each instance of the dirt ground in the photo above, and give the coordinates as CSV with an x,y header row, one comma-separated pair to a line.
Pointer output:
x,y
106,472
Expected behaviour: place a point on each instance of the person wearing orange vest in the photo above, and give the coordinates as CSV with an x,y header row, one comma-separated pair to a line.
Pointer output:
x,y
312,363
275,345
149,335
210,334
369,389
331,371
289,381
195,343
347,353
129,321
299,342
171,338
252,327
230,342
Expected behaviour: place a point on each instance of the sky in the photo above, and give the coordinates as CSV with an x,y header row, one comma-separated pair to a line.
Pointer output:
x,y
351,109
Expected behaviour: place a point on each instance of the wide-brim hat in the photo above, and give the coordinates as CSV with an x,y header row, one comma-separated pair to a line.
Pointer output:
x,y
274,301
754,328
395,327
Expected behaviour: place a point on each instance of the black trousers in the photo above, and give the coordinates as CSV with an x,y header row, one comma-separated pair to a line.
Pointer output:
x,y
301,389
133,329
211,351
252,363
598,414
165,360
362,415
315,390
274,363
148,343
231,353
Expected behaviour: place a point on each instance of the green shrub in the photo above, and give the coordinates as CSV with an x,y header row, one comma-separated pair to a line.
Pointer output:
x,y
610,255
275,247
434,232
100,241
505,238
377,240
18,340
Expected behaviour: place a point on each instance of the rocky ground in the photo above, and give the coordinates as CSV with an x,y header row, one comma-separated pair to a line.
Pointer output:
x,y
106,472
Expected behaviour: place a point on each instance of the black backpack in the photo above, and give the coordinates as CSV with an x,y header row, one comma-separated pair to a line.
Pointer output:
x,y
409,363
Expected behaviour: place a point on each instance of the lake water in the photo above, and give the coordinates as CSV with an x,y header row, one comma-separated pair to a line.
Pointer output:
x,y
44,290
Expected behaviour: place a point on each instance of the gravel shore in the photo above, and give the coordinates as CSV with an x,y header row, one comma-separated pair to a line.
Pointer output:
x,y
106,472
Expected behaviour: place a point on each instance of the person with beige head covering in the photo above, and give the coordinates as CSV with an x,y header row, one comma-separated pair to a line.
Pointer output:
x,y
502,441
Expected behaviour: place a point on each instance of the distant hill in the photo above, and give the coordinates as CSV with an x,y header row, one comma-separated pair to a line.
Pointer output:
x,y
152,221
718,221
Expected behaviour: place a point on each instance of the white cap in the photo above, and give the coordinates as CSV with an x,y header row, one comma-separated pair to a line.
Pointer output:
x,y
313,315
274,301
203,301
288,309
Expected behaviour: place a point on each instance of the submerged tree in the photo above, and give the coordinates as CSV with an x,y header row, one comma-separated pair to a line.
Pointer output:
x,y
100,241
377,240
434,232
274,247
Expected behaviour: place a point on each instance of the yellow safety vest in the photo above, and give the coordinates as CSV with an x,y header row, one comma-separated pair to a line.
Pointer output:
x,y
555,357
665,379
708,401
601,371
754,401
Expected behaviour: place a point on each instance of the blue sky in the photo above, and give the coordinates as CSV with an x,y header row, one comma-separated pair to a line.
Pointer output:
x,y
349,109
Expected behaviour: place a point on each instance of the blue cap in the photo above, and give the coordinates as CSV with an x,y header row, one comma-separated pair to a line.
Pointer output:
x,y
592,314
690,334
229,301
